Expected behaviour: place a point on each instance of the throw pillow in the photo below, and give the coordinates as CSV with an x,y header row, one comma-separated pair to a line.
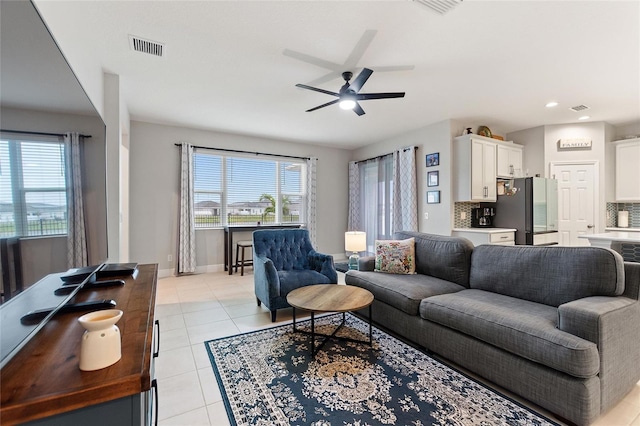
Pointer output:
x,y
395,256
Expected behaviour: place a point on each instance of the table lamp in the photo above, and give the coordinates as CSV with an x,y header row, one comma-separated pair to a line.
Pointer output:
x,y
355,241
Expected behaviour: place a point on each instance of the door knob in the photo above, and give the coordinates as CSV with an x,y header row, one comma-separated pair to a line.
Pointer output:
x,y
589,226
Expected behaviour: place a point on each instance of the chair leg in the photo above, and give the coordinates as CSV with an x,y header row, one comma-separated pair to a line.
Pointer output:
x,y
273,316
236,264
242,263
259,302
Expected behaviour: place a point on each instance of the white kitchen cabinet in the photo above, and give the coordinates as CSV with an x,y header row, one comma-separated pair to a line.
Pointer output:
x,y
628,170
474,164
496,236
509,160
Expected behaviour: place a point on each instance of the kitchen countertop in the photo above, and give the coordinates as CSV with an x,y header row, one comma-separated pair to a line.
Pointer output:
x,y
623,229
627,237
485,230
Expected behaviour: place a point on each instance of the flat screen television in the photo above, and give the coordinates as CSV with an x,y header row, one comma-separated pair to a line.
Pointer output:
x,y
39,93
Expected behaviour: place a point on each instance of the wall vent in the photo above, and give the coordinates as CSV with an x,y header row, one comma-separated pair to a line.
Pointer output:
x,y
439,6
579,108
146,46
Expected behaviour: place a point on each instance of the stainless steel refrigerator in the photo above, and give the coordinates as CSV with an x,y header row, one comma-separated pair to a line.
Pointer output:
x,y
530,205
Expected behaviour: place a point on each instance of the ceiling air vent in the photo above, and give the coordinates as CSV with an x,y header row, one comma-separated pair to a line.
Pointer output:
x,y
146,46
579,108
439,6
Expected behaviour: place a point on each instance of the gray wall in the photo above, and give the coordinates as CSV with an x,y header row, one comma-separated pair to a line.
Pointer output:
x,y
533,153
42,257
154,191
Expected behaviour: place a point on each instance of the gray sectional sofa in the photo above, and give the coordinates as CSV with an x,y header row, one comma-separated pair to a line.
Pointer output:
x,y
559,326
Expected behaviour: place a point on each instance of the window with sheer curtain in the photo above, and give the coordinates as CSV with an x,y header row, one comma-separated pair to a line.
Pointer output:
x,y
376,199
33,194
245,190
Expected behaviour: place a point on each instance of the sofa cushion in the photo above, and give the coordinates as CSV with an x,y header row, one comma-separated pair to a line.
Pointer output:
x,y
549,275
448,258
518,326
403,292
395,256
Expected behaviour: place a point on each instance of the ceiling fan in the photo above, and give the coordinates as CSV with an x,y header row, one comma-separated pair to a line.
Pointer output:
x,y
349,93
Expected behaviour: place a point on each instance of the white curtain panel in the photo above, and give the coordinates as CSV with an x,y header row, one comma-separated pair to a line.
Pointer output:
x,y
353,220
312,165
405,204
76,233
376,199
186,262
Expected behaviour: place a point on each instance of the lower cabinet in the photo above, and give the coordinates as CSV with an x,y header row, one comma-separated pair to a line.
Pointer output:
x,y
498,236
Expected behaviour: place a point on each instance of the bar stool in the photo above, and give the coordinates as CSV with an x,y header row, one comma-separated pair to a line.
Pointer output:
x,y
241,246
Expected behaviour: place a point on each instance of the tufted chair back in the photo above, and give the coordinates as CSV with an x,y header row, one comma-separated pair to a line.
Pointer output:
x,y
288,249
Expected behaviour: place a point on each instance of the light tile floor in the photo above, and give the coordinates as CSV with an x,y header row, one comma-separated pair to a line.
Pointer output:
x,y
194,309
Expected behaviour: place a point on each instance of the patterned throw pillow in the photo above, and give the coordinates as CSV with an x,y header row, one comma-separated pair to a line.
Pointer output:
x,y
395,256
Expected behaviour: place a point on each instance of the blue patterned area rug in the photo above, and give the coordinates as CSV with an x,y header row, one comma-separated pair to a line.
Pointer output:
x,y
269,377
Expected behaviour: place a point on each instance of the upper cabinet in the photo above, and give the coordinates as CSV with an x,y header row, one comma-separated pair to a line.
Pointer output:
x,y
628,170
474,168
509,160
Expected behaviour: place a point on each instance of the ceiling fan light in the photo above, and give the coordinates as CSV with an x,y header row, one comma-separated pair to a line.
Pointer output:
x,y
348,104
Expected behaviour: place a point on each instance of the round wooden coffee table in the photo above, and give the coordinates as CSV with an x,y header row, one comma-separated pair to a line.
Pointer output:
x,y
321,298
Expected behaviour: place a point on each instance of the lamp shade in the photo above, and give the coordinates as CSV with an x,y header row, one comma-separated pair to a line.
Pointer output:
x,y
355,241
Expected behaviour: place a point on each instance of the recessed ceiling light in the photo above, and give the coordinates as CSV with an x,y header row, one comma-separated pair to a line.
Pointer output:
x,y
551,104
584,117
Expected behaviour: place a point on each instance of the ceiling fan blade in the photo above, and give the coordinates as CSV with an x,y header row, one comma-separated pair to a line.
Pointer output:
x,y
360,80
368,96
333,75
315,89
360,48
313,60
323,105
394,68
358,109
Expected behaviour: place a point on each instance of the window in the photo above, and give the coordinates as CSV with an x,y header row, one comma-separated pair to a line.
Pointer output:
x,y
376,199
236,190
33,198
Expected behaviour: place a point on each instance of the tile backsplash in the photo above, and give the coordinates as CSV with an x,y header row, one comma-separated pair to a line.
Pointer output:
x,y
614,208
463,207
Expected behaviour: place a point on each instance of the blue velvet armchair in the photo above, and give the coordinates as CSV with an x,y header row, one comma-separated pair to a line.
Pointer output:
x,y
283,260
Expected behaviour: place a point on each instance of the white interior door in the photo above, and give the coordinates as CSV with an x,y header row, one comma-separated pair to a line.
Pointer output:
x,y
577,192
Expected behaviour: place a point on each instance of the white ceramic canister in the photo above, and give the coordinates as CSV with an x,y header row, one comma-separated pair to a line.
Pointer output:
x,y
101,345
623,219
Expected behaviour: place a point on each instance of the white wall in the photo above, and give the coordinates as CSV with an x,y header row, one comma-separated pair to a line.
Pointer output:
x,y
154,189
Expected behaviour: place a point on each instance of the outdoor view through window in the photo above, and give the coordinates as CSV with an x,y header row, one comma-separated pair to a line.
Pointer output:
x,y
246,191
33,197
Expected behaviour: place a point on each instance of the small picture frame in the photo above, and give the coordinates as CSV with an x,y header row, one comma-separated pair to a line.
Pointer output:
x,y
433,178
433,197
433,159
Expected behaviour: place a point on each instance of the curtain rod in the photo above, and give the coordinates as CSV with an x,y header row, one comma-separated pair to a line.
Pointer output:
x,y
247,152
384,155
21,132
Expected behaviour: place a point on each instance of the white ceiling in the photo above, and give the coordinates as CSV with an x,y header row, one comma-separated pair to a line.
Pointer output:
x,y
494,63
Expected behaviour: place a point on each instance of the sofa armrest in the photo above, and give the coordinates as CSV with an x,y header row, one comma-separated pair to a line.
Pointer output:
x,y
612,324
632,280
367,263
323,263
265,278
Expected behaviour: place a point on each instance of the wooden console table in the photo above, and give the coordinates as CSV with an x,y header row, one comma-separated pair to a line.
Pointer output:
x,y
43,384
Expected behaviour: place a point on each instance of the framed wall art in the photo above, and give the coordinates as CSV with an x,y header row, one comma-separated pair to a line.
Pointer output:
x,y
433,178
433,159
433,197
